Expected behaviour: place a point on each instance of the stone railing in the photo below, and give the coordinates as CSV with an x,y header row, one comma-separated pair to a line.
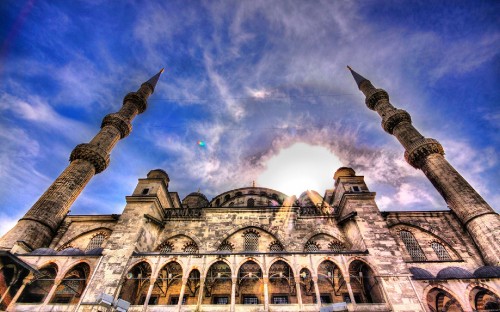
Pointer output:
x,y
183,213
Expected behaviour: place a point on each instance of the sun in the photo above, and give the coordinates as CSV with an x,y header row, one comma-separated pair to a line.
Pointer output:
x,y
300,167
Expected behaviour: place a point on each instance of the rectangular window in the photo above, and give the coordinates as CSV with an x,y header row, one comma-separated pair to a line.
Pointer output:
x,y
145,191
221,300
280,299
346,298
250,300
62,299
174,300
325,298
355,188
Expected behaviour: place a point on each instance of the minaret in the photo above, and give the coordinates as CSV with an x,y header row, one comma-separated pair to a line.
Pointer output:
x,y
427,154
39,225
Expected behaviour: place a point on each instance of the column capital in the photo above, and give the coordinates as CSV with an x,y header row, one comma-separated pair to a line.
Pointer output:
x,y
91,153
117,121
376,96
393,118
418,151
137,100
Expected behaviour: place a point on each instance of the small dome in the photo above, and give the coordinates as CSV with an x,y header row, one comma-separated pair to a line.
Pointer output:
x,y
43,252
453,272
344,172
94,252
159,174
71,252
487,271
304,200
419,273
195,200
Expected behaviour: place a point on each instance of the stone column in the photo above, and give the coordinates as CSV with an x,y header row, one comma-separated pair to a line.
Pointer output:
x,y
148,295
265,280
316,290
299,291
200,293
349,289
234,280
26,281
57,282
181,295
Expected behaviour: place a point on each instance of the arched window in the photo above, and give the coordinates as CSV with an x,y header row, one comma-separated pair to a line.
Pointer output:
x,y
96,241
251,202
227,197
311,246
251,241
336,246
275,246
190,248
412,246
440,251
226,247
166,247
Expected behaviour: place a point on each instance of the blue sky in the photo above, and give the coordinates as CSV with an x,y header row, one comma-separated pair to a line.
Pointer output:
x,y
263,83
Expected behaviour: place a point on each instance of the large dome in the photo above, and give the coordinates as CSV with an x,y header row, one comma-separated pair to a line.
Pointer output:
x,y
249,197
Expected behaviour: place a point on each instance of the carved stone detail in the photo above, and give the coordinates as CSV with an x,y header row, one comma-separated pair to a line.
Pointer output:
x,y
393,118
376,96
133,97
91,153
120,123
417,152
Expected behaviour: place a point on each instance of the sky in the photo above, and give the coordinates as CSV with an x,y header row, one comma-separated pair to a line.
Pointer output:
x,y
263,84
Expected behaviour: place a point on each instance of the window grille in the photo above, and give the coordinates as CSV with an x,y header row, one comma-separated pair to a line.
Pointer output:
x,y
251,202
251,241
250,300
412,246
280,299
96,241
191,248
336,246
165,248
226,246
221,300
275,246
440,251
311,246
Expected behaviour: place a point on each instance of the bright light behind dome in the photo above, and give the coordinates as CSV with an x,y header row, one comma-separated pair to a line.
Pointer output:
x,y
300,167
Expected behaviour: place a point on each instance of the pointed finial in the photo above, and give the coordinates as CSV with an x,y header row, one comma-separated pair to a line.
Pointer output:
x,y
253,183
154,80
357,77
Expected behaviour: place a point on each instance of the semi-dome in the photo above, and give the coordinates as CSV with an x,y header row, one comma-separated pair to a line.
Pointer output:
x,y
249,197
94,252
488,271
43,252
71,252
421,274
195,200
454,273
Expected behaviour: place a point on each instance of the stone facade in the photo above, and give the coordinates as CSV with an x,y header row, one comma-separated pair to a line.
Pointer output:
x,y
254,248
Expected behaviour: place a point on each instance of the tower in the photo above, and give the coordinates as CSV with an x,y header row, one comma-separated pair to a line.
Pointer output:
x,y
427,154
38,226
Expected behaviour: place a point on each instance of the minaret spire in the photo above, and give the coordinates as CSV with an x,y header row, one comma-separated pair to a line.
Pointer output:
x,y
427,154
39,225
357,77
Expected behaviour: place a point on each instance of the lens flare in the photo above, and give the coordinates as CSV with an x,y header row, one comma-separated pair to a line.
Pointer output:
x,y
201,143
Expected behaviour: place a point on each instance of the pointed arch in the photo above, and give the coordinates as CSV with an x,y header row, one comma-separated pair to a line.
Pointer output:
x,y
249,286
218,283
307,286
439,298
39,288
262,227
166,289
72,284
364,282
71,242
135,286
281,283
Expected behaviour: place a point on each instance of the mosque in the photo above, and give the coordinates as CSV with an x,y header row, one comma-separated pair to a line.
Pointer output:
x,y
254,248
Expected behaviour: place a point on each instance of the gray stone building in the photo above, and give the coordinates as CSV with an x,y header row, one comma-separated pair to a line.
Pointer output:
x,y
254,248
